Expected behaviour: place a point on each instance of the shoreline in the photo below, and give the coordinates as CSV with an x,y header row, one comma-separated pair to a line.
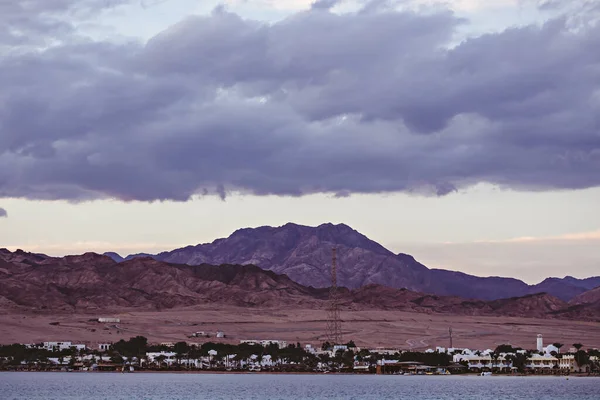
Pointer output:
x,y
200,372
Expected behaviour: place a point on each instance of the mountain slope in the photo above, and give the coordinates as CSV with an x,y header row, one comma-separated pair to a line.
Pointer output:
x,y
587,283
94,282
565,289
589,297
304,254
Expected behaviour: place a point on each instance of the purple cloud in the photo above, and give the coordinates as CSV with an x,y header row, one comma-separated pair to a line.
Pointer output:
x,y
364,102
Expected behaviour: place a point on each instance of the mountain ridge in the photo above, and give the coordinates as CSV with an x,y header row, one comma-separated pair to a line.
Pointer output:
x,y
92,282
304,254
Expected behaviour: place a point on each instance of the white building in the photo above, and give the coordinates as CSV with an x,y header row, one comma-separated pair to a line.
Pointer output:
x,y
476,362
279,343
109,320
361,366
567,362
165,357
57,361
384,350
451,350
537,362
540,343
339,347
550,348
52,346
309,349
220,335
104,346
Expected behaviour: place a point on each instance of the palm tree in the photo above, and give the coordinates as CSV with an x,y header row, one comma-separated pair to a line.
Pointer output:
x,y
494,356
44,361
558,346
578,347
275,359
160,359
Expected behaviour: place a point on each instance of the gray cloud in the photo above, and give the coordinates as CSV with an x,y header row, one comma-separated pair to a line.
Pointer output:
x,y
3,213
324,4
39,22
362,102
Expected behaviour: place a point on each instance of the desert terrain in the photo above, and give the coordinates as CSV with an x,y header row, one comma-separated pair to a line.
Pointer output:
x,y
373,328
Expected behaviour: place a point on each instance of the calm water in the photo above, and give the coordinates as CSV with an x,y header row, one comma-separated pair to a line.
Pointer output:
x,y
91,386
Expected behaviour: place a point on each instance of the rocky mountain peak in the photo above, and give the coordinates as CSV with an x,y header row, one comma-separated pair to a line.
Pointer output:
x,y
115,256
304,254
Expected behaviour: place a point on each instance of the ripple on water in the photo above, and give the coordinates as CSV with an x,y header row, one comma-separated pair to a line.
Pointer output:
x,y
96,386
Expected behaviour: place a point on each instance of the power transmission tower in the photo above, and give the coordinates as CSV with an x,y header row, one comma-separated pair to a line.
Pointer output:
x,y
450,333
334,324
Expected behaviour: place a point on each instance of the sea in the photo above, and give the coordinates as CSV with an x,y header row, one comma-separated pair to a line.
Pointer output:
x,y
163,386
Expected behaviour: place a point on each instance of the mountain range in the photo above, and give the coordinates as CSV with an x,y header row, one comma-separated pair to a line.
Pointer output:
x,y
92,282
303,253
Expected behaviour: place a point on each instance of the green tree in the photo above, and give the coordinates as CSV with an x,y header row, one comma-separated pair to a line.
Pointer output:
x,y
338,358
519,360
494,357
134,347
324,358
578,347
238,359
506,348
582,358
348,359
180,349
116,358
160,359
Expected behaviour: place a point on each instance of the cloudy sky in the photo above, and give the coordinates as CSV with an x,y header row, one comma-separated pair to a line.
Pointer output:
x,y
464,132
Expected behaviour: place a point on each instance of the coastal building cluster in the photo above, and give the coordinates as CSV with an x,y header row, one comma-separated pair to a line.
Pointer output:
x,y
278,355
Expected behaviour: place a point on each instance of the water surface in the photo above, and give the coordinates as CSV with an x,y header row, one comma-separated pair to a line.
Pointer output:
x,y
163,386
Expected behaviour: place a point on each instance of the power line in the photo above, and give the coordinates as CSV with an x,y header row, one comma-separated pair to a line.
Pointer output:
x,y
334,323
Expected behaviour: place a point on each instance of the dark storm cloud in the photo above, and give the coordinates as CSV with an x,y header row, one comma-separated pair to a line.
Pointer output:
x,y
367,102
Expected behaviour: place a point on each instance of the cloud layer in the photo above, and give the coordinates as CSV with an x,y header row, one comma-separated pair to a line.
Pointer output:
x,y
371,101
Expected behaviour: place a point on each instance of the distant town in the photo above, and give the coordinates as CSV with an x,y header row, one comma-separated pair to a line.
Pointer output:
x,y
271,355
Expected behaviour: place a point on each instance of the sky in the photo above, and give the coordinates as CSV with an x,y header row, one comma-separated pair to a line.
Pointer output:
x,y
465,132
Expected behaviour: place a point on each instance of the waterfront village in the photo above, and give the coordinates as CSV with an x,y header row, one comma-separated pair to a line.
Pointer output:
x,y
136,354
